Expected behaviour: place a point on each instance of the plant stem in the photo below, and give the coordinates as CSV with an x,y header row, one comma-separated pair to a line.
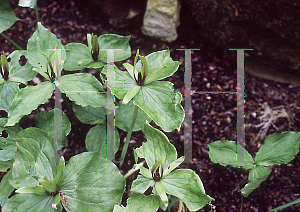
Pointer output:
x,y
180,206
128,135
37,19
242,181
66,101
11,41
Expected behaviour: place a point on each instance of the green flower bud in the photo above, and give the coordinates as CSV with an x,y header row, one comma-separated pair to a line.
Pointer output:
x,y
48,185
4,69
93,46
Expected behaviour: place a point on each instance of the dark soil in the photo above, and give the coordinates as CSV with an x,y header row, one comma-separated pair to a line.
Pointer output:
x,y
214,115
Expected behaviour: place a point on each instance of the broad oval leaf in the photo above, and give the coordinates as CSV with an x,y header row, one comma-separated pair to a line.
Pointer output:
x,y
140,202
5,188
225,153
123,82
8,144
31,203
17,74
157,145
124,114
92,184
28,99
90,115
43,41
76,52
141,184
16,70
160,66
113,41
159,102
6,155
8,91
278,148
187,186
84,89
258,172
96,140
46,121
7,16
34,150
249,187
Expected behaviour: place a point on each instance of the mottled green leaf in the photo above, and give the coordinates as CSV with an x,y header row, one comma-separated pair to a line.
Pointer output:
x,y
92,184
225,153
7,16
84,89
278,148
28,99
187,186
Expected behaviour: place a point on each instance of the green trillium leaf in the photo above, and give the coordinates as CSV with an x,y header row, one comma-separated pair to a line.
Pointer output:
x,y
157,144
278,148
156,100
187,186
225,153
40,47
3,201
140,202
112,41
17,74
258,172
7,16
5,188
31,203
78,56
89,115
125,112
34,150
142,183
7,144
91,183
28,99
45,120
16,70
96,141
249,187
173,165
84,89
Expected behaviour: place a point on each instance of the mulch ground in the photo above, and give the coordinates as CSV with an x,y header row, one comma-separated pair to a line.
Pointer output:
x,y
214,115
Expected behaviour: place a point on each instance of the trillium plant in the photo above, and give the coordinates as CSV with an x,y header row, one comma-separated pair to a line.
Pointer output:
x,y
278,149
39,179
